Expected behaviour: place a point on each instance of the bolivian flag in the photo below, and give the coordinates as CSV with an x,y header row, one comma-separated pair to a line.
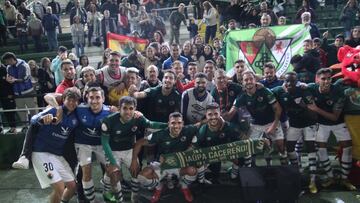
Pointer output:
x,y
125,44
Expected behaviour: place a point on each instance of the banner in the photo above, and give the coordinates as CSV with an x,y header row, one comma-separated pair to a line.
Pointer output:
x,y
125,44
260,45
201,156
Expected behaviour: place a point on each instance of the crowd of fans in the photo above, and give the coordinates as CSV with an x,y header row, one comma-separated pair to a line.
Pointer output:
x,y
161,77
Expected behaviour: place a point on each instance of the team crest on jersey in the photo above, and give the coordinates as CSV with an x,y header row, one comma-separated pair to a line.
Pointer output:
x,y
50,175
285,98
65,131
248,103
92,132
208,138
183,139
74,121
231,93
329,102
104,127
222,135
134,128
297,100
159,101
167,142
171,103
118,132
260,99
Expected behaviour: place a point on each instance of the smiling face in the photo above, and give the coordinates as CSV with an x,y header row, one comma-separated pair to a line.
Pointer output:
x,y
213,116
68,71
127,111
95,100
175,125
168,81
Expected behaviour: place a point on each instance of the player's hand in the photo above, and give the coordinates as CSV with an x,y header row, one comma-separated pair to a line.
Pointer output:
x,y
10,79
134,168
326,34
111,168
180,76
113,109
132,89
48,119
138,114
312,107
120,88
271,130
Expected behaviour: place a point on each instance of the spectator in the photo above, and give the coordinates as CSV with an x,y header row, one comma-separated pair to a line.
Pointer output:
x,y
282,20
34,69
157,22
35,31
348,16
332,49
197,57
233,11
56,64
192,28
253,17
111,6
164,53
19,75
176,17
10,16
305,8
77,10
123,22
209,18
306,20
159,38
174,56
56,9
323,55
83,62
105,59
2,28
50,22
78,36
74,59
108,24
46,79
7,98
94,19
186,51
24,11
220,62
22,32
134,17
145,24
208,53
265,20
354,39
151,58
264,9
39,9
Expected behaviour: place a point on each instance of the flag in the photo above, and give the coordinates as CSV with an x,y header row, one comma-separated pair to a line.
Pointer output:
x,y
125,44
260,45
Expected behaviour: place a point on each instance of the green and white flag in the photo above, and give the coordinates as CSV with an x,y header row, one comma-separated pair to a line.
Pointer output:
x,y
260,45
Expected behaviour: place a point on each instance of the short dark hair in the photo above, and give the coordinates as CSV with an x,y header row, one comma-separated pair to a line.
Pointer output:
x,y
210,61
317,40
127,100
95,89
170,71
71,93
8,55
66,62
293,73
308,41
269,65
62,49
192,63
239,61
323,71
232,21
340,36
200,75
175,115
212,105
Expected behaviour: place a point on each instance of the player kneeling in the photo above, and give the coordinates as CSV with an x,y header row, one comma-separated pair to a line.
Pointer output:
x,y
175,138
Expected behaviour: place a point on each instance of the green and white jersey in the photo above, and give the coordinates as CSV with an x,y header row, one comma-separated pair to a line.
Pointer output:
x,y
294,104
207,138
167,144
161,106
331,101
259,105
122,136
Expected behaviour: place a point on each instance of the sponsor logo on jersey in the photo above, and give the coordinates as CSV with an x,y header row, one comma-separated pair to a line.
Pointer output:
x,y
50,175
329,102
222,135
183,139
134,128
260,99
167,142
208,138
92,132
65,131
118,132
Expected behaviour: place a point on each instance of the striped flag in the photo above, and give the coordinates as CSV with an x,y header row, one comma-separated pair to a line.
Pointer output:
x,y
260,45
125,44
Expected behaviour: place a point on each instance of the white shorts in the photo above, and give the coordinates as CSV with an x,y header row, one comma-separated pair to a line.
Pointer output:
x,y
163,174
84,153
123,157
50,169
308,133
256,131
340,131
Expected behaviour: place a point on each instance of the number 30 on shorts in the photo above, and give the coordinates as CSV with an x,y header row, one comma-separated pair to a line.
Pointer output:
x,y
48,167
